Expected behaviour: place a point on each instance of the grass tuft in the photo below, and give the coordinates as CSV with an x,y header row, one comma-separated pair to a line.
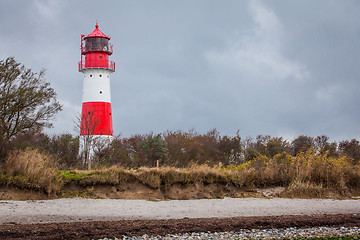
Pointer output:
x,y
31,169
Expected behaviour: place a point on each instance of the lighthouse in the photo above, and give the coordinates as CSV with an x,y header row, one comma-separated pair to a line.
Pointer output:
x,y
96,117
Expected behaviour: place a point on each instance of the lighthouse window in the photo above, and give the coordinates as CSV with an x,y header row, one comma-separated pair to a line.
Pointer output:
x,y
96,44
100,56
100,75
100,92
90,75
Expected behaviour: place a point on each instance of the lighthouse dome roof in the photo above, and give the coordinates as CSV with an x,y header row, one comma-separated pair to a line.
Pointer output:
x,y
97,33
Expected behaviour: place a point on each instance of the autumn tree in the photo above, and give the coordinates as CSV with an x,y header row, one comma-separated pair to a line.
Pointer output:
x,y
27,102
118,152
232,149
87,124
351,149
265,145
321,146
301,144
178,144
65,149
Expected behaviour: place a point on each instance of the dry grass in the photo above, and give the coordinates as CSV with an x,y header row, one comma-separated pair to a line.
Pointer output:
x,y
31,169
167,176
301,189
305,175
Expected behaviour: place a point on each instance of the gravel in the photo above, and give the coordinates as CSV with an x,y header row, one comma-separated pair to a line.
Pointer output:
x,y
287,233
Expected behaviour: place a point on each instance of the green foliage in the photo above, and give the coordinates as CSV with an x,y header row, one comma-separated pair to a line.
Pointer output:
x,y
3,179
276,146
27,101
70,175
154,148
301,144
265,145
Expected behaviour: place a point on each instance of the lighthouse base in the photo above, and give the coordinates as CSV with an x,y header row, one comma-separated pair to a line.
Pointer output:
x,y
89,145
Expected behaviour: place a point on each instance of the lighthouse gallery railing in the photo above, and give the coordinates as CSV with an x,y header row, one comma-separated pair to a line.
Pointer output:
x,y
111,66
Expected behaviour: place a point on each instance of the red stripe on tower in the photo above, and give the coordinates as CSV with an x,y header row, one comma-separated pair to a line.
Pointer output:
x,y
96,116
96,119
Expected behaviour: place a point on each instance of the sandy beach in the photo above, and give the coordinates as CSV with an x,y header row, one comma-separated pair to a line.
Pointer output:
x,y
81,209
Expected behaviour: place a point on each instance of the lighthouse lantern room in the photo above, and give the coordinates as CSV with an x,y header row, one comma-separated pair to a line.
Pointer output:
x,y
96,115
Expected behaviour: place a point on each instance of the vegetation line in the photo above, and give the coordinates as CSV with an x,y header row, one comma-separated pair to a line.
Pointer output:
x,y
304,175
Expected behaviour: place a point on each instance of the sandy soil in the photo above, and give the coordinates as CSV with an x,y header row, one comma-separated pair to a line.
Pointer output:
x,y
85,210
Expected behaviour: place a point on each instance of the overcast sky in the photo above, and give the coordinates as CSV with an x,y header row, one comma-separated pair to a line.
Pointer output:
x,y
282,68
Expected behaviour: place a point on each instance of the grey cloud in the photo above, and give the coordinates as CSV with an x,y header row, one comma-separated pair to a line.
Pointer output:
x,y
263,67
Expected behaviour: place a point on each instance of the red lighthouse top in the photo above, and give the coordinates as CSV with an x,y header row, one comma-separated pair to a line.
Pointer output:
x,y
97,33
96,49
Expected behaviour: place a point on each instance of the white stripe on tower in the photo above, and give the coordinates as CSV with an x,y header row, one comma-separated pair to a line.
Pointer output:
x,y
96,86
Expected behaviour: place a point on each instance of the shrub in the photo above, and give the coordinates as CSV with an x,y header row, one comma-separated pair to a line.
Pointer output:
x,y
331,172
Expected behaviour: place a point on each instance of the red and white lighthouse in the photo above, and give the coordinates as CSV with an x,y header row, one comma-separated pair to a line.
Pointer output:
x,y
96,115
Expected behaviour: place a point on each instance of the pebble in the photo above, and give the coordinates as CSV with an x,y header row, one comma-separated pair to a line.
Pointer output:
x,y
287,233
